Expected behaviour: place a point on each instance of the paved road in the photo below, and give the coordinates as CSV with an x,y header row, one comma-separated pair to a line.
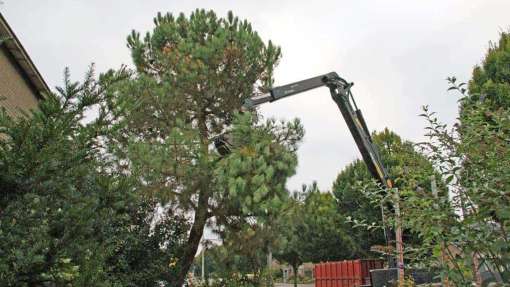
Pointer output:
x,y
292,285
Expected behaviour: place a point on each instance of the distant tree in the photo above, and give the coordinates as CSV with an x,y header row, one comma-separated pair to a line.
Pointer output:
x,y
192,74
408,169
312,230
327,236
291,229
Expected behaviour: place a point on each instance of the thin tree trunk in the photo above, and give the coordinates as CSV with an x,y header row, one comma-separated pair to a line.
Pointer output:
x,y
444,258
295,268
398,238
195,235
476,271
201,214
269,269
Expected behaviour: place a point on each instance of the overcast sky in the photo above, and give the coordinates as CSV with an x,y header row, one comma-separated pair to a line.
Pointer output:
x,y
398,54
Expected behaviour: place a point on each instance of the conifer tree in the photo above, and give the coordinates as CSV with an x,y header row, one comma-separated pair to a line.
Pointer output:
x,y
66,217
192,75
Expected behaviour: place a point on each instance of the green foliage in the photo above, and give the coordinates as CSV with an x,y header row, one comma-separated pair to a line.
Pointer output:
x,y
147,252
51,193
192,76
485,132
291,231
243,251
65,219
354,204
227,264
490,82
327,235
312,230
473,159
254,175
305,227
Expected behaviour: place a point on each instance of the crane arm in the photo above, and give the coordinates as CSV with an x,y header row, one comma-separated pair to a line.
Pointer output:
x,y
281,92
341,94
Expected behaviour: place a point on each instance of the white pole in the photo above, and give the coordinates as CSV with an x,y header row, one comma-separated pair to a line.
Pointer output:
x,y
400,244
203,265
444,258
269,263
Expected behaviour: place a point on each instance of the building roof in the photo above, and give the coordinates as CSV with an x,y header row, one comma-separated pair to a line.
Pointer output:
x,y
20,56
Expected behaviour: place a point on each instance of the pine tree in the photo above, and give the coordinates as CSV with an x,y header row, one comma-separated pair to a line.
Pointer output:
x,y
192,75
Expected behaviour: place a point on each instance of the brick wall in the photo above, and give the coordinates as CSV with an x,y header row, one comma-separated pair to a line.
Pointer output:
x,y
15,91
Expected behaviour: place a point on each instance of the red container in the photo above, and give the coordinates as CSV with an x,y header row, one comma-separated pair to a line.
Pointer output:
x,y
351,273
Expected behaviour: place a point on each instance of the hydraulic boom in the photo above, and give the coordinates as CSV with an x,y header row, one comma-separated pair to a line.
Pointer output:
x,y
341,94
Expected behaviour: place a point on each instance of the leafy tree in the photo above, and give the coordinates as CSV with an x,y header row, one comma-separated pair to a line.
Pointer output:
x,y
468,228
489,84
409,170
246,246
52,195
484,135
473,159
484,132
148,247
192,74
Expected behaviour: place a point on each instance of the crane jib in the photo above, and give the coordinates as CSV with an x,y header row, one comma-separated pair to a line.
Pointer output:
x,y
340,91
299,87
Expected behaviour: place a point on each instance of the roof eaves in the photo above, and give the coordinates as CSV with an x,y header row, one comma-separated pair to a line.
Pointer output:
x,y
20,55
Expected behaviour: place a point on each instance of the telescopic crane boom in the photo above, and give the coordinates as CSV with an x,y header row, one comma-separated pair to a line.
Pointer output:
x,y
341,94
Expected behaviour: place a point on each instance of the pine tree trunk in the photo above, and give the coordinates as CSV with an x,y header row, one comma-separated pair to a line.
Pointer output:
x,y
197,230
200,219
